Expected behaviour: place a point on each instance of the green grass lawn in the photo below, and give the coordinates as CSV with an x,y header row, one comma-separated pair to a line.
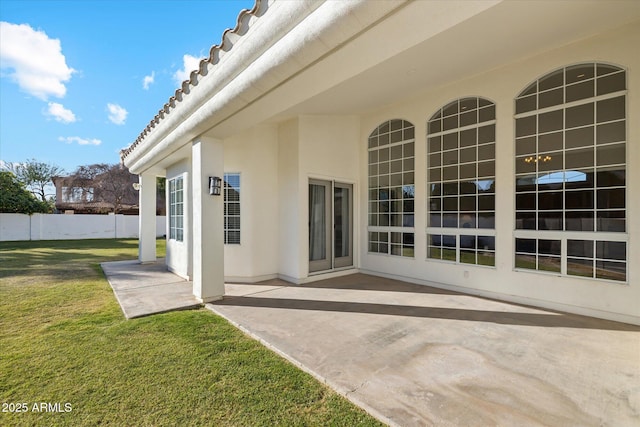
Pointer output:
x,y
63,339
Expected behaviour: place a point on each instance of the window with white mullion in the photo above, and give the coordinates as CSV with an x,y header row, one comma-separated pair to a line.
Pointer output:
x,y
603,97
391,229
461,182
464,128
589,255
391,145
176,209
391,168
571,163
459,231
172,210
232,208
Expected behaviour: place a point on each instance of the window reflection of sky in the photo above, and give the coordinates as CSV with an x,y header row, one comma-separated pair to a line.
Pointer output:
x,y
484,185
553,178
481,185
559,177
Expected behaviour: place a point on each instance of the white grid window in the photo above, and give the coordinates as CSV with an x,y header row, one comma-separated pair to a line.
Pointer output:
x,y
461,182
571,172
232,208
392,188
176,209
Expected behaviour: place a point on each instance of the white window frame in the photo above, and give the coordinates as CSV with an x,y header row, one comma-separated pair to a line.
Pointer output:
x,y
388,135
482,107
176,209
564,235
232,210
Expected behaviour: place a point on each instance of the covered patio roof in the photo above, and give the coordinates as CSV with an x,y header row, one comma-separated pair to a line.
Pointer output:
x,y
284,59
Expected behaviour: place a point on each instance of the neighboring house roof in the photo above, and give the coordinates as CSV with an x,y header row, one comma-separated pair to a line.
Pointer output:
x,y
95,207
84,201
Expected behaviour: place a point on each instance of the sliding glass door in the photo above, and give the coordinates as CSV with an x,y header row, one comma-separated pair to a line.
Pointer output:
x,y
342,225
330,225
319,223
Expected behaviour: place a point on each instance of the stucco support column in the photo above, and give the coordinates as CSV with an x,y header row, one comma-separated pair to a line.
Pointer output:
x,y
147,218
207,156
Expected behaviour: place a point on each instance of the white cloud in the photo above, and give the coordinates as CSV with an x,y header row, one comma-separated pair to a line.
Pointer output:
x,y
60,113
190,63
38,65
79,141
148,80
117,114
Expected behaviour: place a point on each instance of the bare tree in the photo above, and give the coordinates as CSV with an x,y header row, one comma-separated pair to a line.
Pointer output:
x,y
116,187
107,183
36,176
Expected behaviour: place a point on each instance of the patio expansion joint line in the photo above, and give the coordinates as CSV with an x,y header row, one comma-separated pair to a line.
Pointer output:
x,y
152,286
263,292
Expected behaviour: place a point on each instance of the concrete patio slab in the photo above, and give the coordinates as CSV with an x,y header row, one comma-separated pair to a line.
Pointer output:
x,y
236,290
145,289
415,355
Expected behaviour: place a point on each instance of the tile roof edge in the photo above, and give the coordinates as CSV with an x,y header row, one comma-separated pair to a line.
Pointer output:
x,y
226,44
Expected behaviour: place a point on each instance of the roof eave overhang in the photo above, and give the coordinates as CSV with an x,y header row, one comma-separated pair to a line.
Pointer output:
x,y
323,57
277,46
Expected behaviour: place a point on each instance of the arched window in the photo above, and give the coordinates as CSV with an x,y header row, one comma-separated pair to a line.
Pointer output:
x,y
391,188
570,168
461,182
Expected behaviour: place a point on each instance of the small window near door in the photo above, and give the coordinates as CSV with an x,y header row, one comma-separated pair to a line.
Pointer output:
x,y
231,208
176,209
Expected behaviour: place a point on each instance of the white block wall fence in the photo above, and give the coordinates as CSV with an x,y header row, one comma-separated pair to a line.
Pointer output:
x,y
15,227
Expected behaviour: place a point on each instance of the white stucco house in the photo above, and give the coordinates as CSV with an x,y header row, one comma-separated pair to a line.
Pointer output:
x,y
488,147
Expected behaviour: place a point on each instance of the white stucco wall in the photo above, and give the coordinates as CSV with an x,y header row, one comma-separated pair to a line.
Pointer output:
x,y
14,227
254,155
276,162
179,253
591,297
320,147
290,222
328,150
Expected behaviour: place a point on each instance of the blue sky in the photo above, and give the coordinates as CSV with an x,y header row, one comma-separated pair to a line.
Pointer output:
x,y
81,79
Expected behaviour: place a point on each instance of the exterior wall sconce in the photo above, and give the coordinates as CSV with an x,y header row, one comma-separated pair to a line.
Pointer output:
x,y
215,185
136,186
